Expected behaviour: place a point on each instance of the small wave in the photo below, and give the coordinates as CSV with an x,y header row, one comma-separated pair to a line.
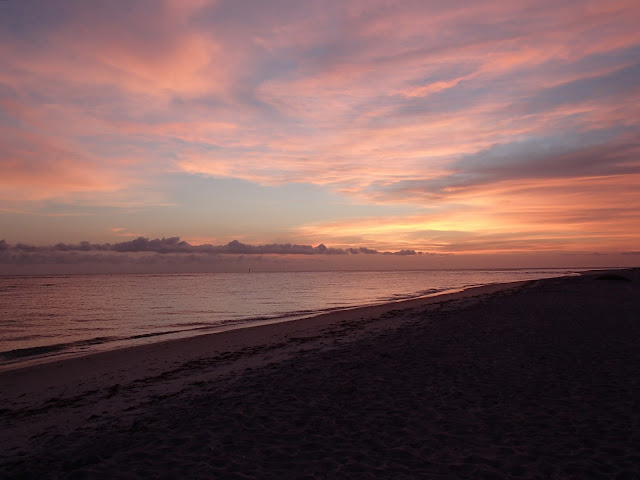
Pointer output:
x,y
154,334
52,349
193,324
32,351
26,337
8,288
410,296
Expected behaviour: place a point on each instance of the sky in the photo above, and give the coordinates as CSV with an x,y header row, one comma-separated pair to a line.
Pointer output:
x,y
396,134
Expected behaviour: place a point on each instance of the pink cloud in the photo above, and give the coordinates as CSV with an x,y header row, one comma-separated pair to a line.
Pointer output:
x,y
36,167
382,103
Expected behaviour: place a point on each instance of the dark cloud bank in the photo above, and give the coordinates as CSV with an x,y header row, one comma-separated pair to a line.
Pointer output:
x,y
171,255
175,245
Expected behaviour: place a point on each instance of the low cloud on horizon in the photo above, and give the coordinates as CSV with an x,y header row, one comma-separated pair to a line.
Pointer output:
x,y
167,245
172,255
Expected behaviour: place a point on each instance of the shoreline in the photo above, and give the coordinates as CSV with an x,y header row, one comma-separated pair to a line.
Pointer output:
x,y
186,335
126,344
12,358
531,379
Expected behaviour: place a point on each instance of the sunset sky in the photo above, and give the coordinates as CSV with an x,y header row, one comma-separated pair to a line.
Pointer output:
x,y
507,131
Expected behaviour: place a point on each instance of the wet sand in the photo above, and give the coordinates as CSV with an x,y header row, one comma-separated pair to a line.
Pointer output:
x,y
529,380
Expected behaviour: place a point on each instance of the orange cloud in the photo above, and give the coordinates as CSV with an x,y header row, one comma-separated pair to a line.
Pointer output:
x,y
601,213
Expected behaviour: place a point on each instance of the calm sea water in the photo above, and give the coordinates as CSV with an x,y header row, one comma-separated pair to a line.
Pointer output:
x,y
45,318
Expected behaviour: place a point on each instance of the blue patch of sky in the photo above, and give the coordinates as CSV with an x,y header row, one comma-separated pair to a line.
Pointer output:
x,y
610,59
238,15
31,20
567,155
6,118
455,99
234,200
198,206
586,89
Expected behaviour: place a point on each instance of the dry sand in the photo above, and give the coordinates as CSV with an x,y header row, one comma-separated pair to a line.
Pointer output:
x,y
530,380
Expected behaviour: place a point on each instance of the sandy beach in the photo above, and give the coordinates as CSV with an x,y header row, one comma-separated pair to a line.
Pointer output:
x,y
533,380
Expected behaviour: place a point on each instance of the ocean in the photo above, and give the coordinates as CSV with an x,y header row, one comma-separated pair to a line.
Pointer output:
x,y
43,318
